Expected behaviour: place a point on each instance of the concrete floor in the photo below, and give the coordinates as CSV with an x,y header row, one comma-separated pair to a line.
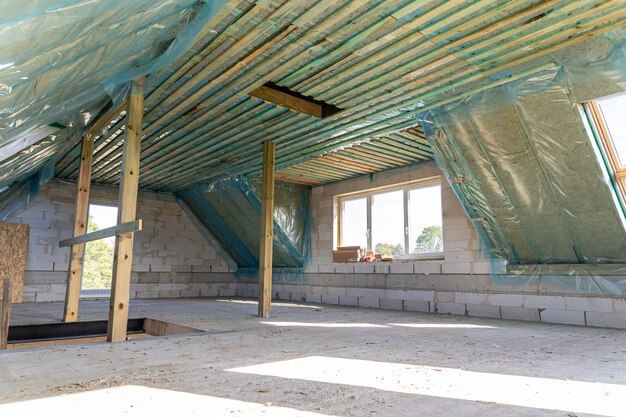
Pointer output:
x,y
319,361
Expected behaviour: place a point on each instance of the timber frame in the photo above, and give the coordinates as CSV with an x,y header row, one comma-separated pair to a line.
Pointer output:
x,y
126,226
267,230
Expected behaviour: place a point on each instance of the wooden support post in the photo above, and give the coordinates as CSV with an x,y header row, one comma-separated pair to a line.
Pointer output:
x,y
267,231
5,313
129,185
77,255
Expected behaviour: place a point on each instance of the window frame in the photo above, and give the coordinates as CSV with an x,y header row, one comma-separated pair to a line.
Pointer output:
x,y
406,188
88,293
603,138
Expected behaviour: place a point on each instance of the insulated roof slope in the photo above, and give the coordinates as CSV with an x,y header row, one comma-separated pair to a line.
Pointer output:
x,y
522,162
382,62
62,61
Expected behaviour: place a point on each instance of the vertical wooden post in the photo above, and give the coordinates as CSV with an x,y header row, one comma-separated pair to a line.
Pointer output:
x,y
129,185
77,254
267,231
5,313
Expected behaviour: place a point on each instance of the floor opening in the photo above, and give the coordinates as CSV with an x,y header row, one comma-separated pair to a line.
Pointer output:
x,y
55,334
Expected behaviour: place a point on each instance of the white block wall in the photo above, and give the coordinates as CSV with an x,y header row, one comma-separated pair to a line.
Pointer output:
x,y
170,257
458,284
376,293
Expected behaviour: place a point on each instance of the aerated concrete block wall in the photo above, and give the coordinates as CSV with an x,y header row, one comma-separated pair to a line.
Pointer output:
x,y
170,257
460,283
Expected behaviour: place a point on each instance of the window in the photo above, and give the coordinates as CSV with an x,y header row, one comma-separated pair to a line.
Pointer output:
x,y
607,118
98,266
354,231
403,222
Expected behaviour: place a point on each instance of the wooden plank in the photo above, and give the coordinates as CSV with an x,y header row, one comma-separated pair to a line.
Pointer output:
x,y
117,230
129,186
13,250
267,230
5,315
283,99
81,217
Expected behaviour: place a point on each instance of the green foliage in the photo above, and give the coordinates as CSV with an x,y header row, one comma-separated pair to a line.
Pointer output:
x,y
387,249
430,241
98,268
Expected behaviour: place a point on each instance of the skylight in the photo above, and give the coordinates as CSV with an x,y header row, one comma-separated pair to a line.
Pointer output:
x,y
609,127
613,110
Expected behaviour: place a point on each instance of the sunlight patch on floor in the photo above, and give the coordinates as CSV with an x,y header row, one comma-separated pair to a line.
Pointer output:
x,y
327,325
274,304
442,326
139,401
523,391
372,325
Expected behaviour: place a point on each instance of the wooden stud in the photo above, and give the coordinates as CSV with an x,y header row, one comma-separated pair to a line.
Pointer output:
x,y
267,230
129,186
77,254
5,316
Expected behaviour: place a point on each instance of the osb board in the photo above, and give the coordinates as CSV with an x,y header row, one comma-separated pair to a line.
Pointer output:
x,y
13,249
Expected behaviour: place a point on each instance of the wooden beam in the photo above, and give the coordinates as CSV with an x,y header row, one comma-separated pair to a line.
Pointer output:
x,y
5,313
283,99
77,254
267,230
117,230
129,186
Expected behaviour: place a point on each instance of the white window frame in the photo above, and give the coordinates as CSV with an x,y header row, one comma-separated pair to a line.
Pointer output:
x,y
368,194
100,292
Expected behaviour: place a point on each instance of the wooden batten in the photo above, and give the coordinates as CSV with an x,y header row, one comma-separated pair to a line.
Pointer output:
x,y
129,186
267,230
5,313
81,217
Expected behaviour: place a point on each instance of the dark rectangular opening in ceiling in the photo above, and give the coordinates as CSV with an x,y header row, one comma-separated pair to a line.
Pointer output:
x,y
285,97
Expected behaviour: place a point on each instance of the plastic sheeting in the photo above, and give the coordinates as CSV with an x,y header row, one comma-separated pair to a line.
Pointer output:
x,y
56,56
522,162
291,211
231,210
14,199
62,62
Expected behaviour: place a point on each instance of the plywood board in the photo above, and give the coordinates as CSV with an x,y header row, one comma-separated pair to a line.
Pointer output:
x,y
13,250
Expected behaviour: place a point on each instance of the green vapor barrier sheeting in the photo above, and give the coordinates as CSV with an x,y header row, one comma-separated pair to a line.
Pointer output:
x,y
231,210
13,199
522,161
62,62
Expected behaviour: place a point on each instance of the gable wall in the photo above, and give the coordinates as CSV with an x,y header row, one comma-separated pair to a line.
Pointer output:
x,y
171,259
